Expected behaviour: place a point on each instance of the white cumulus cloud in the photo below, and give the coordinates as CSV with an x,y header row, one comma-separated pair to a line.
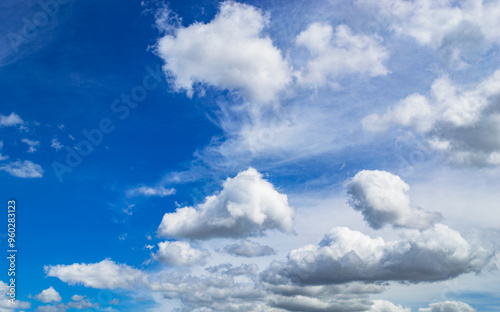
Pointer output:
x,y
334,53
103,275
448,306
11,120
230,52
248,205
382,198
32,145
49,295
180,254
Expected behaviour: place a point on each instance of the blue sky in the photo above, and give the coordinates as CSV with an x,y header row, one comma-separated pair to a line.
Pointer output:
x,y
252,156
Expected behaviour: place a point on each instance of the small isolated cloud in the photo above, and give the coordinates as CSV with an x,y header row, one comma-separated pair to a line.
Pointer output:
x,y
382,198
339,52
77,297
448,306
23,169
56,144
180,254
230,53
147,191
103,275
49,295
33,145
248,205
345,256
12,120
248,248
387,306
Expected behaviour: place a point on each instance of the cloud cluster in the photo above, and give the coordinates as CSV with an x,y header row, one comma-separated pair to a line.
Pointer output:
x,y
344,255
337,53
248,205
230,53
382,198
32,145
103,275
180,254
459,31
460,122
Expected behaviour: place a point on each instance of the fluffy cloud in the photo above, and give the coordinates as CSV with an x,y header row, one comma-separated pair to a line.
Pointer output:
x,y
77,297
344,255
12,120
248,248
448,306
49,295
147,191
1,156
25,169
248,205
461,123
33,145
459,31
383,200
5,305
180,254
387,306
341,52
230,52
103,275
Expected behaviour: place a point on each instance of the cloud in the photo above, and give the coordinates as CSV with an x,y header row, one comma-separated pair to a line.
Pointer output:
x,y
383,200
344,256
49,295
338,53
56,144
448,306
32,145
459,31
12,120
1,156
77,297
230,53
103,275
248,205
147,191
387,306
25,169
248,248
5,305
462,123
180,254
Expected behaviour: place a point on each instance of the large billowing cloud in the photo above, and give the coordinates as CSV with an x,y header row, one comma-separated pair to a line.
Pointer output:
x,y
180,254
230,52
337,53
383,200
248,205
344,255
463,123
103,275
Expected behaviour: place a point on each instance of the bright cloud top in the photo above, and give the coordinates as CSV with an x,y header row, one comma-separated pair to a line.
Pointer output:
x,y
230,52
103,275
383,200
248,205
49,295
180,254
339,52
